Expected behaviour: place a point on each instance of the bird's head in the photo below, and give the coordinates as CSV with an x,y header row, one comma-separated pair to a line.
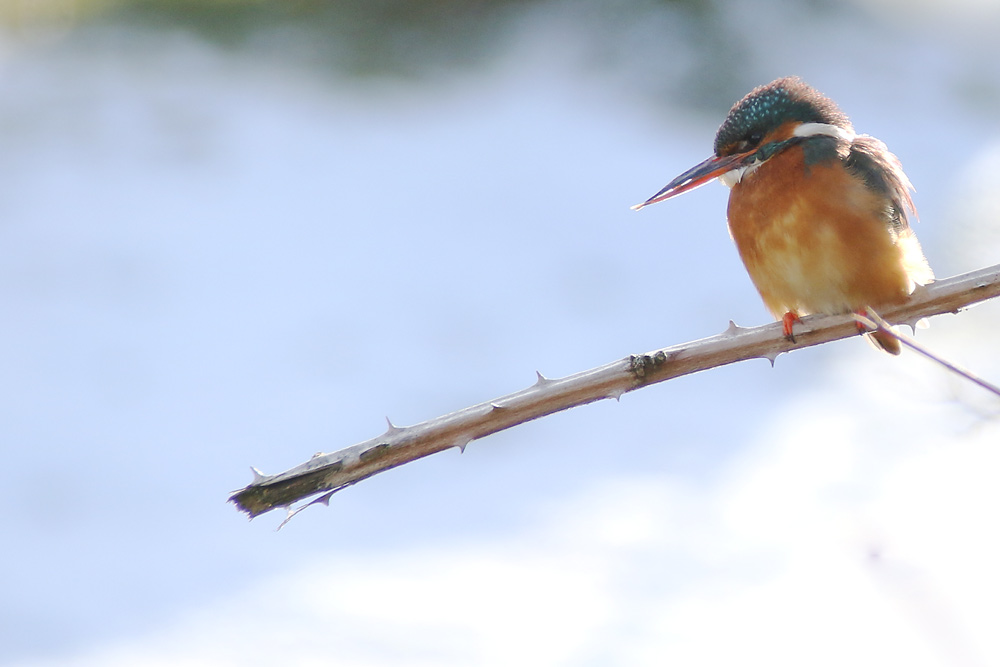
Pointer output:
x,y
768,120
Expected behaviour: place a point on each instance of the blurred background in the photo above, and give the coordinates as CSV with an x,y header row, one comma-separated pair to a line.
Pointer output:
x,y
234,233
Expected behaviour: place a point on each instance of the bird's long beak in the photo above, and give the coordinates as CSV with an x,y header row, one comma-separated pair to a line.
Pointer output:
x,y
698,175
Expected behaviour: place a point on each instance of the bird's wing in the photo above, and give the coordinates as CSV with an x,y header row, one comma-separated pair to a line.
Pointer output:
x,y
882,173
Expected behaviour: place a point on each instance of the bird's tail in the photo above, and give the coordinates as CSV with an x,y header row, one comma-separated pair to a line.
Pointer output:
x,y
884,342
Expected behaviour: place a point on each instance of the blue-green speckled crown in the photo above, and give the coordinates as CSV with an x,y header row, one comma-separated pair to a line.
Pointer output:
x,y
767,107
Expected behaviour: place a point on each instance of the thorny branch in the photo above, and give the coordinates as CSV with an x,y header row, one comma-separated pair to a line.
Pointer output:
x,y
328,473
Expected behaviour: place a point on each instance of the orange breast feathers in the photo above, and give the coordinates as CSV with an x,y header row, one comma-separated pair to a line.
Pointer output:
x,y
815,239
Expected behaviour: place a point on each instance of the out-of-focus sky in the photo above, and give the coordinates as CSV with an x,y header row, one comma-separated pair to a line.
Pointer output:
x,y
235,234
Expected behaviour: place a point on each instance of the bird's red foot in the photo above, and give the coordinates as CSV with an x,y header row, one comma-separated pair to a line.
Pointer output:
x,y
862,329
787,322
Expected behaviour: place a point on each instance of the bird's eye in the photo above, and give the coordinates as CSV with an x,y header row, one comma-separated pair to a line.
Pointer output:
x,y
750,142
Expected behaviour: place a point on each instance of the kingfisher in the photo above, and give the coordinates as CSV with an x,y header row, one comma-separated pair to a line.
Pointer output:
x,y
820,215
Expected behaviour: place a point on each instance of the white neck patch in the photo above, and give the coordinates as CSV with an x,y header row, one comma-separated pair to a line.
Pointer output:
x,y
814,129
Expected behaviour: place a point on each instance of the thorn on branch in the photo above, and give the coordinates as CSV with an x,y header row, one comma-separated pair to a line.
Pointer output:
x,y
392,429
290,512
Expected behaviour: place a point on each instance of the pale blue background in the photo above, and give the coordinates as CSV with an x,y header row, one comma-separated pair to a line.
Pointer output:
x,y
217,254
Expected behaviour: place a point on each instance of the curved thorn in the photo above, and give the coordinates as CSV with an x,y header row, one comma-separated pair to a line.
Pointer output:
x,y
392,429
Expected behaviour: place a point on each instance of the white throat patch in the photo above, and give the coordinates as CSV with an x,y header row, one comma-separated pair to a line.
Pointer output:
x,y
734,176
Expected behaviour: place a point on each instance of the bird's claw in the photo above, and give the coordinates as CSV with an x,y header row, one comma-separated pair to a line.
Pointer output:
x,y
787,322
